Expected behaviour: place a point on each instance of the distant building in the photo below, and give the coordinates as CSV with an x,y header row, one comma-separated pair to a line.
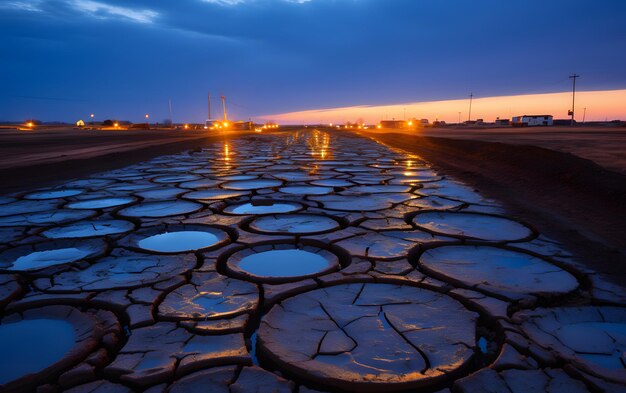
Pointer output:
x,y
502,122
532,120
424,122
80,123
394,124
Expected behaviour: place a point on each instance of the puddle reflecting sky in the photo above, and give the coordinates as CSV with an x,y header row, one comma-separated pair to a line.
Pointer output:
x,y
29,346
179,241
284,263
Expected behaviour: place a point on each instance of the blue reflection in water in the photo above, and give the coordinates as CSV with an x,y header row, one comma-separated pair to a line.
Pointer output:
x,y
283,263
179,241
29,346
269,208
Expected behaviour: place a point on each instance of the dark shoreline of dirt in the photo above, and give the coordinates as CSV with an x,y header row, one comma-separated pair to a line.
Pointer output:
x,y
570,199
56,170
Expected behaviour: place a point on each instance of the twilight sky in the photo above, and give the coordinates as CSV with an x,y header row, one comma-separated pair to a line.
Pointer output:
x,y
64,59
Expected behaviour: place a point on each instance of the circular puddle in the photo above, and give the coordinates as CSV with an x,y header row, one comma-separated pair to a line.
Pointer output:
x,y
90,229
28,345
90,183
160,194
306,190
336,336
380,189
214,195
294,176
204,183
497,271
176,238
251,184
301,224
237,177
52,253
473,226
130,187
181,241
160,209
358,202
332,183
53,194
175,178
101,203
263,207
281,263
41,343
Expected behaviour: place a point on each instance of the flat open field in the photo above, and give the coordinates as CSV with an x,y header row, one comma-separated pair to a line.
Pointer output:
x,y
36,158
604,145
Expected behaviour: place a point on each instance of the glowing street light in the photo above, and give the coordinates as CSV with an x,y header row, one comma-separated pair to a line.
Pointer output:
x,y
91,115
116,125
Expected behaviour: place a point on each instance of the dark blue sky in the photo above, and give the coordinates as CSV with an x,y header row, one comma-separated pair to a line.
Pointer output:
x,y
62,59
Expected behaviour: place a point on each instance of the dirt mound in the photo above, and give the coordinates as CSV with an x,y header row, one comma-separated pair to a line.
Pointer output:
x,y
572,199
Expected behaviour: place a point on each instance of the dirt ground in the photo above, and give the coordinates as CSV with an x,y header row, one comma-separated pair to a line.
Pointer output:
x,y
604,145
569,198
32,159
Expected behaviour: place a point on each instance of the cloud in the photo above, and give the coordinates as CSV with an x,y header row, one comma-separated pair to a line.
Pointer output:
x,y
101,10
30,6
225,2
237,2
95,9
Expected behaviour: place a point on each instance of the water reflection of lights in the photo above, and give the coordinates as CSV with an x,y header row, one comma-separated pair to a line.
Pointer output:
x,y
226,152
319,143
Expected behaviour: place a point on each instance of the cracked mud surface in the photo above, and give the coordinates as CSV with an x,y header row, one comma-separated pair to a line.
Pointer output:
x,y
360,336
295,262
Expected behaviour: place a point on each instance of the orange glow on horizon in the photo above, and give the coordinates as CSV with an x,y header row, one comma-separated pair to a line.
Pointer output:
x,y
600,105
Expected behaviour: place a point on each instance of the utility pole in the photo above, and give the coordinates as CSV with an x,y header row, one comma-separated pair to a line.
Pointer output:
x,y
584,114
573,77
224,106
171,117
469,116
459,117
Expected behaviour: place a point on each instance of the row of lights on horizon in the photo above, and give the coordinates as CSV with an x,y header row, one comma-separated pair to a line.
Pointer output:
x,y
364,127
